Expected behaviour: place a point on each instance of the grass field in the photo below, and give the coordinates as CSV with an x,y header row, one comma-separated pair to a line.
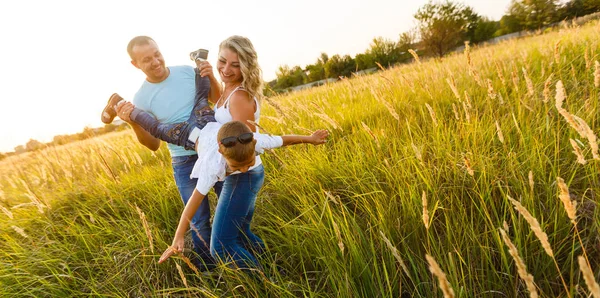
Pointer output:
x,y
466,134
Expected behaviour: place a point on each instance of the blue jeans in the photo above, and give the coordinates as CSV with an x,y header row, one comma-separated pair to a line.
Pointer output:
x,y
182,168
232,241
178,133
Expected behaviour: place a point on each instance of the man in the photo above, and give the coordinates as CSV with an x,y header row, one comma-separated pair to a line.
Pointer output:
x,y
168,93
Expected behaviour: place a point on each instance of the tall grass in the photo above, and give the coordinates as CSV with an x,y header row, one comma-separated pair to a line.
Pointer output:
x,y
421,161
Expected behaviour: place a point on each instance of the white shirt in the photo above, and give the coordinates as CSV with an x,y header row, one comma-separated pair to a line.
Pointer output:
x,y
223,115
211,165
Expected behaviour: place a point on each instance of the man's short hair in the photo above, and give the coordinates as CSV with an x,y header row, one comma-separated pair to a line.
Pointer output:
x,y
138,41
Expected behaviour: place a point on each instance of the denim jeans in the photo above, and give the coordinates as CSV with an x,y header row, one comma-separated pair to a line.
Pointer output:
x,y
232,241
200,224
178,133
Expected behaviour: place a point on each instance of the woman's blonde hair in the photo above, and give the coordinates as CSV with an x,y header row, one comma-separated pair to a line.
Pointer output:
x,y
251,73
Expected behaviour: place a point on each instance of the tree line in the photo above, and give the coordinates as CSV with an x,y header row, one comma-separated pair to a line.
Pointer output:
x,y
441,27
88,132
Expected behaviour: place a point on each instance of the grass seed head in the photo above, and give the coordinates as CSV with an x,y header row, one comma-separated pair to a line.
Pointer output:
x,y
534,225
521,268
441,276
588,276
565,198
578,152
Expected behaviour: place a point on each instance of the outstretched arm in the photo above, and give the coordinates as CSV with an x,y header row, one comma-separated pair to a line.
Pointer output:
x,y
184,222
317,138
144,137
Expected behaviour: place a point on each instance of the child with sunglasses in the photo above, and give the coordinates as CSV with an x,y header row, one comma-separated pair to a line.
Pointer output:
x,y
234,152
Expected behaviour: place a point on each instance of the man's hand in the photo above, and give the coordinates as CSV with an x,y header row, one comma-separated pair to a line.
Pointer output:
x,y
319,137
176,248
205,68
124,111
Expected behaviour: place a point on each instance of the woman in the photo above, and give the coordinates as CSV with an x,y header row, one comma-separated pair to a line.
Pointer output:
x,y
231,238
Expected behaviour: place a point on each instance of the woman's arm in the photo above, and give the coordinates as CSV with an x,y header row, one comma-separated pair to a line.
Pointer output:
x,y
215,88
184,222
242,108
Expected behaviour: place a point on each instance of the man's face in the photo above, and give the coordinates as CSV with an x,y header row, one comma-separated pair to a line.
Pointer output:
x,y
228,66
147,58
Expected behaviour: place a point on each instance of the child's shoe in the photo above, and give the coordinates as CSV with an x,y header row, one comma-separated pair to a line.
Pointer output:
x,y
109,113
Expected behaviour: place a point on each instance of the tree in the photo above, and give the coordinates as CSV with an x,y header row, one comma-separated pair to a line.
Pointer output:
x,y
534,14
577,8
509,24
20,149
444,26
485,30
384,51
364,61
338,66
284,79
33,145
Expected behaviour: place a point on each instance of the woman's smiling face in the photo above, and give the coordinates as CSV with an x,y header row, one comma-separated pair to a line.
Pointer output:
x,y
228,66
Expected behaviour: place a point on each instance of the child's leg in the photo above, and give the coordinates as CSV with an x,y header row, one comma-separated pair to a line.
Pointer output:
x,y
178,133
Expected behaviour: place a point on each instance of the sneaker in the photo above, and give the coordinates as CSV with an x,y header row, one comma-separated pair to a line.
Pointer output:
x,y
109,113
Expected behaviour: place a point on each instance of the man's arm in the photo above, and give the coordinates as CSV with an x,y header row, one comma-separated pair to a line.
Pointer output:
x,y
184,222
144,137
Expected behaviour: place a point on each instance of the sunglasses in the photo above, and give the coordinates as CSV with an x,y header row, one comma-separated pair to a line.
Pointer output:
x,y
244,138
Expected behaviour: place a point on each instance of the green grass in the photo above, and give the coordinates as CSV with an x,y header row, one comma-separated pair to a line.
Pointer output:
x,y
367,180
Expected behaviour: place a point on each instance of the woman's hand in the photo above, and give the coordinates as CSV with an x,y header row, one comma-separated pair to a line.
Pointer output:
x,y
176,248
319,137
205,68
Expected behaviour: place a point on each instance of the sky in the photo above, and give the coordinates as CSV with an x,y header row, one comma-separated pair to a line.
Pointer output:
x,y
61,60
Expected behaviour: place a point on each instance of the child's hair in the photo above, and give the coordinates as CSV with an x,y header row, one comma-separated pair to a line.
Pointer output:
x,y
251,72
238,152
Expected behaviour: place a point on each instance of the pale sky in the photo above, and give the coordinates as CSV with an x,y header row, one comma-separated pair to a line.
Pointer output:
x,y
63,59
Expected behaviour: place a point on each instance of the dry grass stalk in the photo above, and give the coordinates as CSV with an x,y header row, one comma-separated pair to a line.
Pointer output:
x,y
521,268
7,212
590,135
370,132
187,261
452,85
515,79
468,100
456,116
391,109
560,98
468,166
578,153
588,62
475,75
530,90
181,275
468,53
467,114
597,75
500,74
588,276
331,197
499,131
547,92
565,198
259,127
425,211
531,182
19,231
557,52
339,237
432,114
146,227
279,120
417,152
534,225
330,121
277,108
414,54
491,93
441,276
395,253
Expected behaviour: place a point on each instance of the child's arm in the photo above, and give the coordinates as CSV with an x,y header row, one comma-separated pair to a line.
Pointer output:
x,y
184,222
317,138
269,142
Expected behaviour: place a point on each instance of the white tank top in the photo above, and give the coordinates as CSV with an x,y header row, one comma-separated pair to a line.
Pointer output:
x,y
223,115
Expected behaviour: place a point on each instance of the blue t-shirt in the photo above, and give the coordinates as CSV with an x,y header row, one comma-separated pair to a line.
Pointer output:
x,y
170,101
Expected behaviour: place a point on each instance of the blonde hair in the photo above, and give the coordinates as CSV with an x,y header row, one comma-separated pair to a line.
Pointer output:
x,y
239,152
251,73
